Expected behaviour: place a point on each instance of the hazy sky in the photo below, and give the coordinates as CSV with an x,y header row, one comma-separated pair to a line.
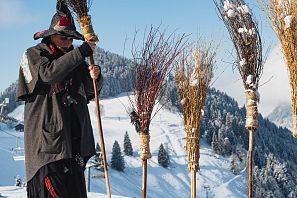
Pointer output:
x,y
116,21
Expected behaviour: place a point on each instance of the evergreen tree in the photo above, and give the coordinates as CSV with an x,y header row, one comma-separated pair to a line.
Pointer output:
x,y
117,160
18,181
163,157
128,150
98,156
98,148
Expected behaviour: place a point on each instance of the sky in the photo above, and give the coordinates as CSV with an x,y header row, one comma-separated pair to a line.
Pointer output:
x,y
115,22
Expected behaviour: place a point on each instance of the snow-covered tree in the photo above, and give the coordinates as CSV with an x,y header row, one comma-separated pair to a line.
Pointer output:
x,y
128,150
238,160
18,181
98,156
163,157
117,160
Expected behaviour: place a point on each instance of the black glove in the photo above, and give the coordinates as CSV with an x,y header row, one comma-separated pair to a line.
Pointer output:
x,y
85,50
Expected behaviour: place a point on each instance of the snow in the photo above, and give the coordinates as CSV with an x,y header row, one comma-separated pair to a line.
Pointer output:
x,y
231,13
249,80
213,180
282,116
194,82
242,62
20,192
228,5
288,20
252,31
242,30
244,9
183,101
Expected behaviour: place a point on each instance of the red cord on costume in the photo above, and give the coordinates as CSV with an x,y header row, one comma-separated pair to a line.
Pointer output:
x,y
50,187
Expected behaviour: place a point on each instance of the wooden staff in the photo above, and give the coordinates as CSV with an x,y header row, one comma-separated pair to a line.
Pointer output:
x,y
145,154
251,124
81,9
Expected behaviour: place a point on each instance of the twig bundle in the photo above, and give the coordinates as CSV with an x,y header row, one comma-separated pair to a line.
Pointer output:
x,y
148,71
245,36
81,9
283,17
193,76
149,68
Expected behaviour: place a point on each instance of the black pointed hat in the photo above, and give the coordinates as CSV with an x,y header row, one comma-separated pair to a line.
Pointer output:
x,y
62,24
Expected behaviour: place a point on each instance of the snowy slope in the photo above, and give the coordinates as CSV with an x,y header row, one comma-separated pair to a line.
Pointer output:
x,y
213,180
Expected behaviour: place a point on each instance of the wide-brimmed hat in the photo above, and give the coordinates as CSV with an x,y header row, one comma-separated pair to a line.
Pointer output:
x,y
62,24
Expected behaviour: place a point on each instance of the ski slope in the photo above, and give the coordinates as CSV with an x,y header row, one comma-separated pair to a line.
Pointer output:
x,y
213,180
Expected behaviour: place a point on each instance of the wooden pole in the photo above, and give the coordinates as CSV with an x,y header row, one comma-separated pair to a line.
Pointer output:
x,y
144,177
193,184
100,131
250,164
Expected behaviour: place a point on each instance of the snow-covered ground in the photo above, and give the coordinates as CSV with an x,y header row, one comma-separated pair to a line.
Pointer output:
x,y
213,180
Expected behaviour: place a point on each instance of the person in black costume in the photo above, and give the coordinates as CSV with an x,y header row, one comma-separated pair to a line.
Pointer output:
x,y
55,82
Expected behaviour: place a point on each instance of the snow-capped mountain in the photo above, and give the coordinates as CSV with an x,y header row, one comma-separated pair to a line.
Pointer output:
x,y
282,116
275,159
213,180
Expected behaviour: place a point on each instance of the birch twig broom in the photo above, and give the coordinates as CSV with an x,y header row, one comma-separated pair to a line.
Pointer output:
x,y
149,68
193,76
245,36
283,17
81,8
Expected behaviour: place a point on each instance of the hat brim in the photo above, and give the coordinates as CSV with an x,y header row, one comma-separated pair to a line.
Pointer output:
x,y
69,33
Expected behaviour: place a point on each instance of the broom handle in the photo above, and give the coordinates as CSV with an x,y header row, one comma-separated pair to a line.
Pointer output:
x,y
144,177
193,184
250,165
100,130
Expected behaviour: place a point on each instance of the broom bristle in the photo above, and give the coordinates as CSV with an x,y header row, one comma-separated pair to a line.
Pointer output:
x,y
282,15
79,7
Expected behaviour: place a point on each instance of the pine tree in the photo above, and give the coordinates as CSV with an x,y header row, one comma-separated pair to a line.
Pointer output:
x,y
98,156
18,181
98,148
163,157
128,150
235,164
117,160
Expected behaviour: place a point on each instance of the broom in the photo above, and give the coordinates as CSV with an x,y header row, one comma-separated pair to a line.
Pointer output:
x,y
148,70
193,75
81,9
283,15
245,36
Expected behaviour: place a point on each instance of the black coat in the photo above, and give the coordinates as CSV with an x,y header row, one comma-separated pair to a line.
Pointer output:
x,y
47,119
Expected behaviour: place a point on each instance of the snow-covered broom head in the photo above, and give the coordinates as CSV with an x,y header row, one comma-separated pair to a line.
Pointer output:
x,y
243,30
283,18
81,8
193,76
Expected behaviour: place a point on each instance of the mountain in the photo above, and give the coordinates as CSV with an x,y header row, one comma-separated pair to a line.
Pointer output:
x,y
115,74
282,116
275,159
224,144
214,178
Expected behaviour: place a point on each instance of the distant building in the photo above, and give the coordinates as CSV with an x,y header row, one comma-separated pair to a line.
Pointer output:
x,y
19,127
